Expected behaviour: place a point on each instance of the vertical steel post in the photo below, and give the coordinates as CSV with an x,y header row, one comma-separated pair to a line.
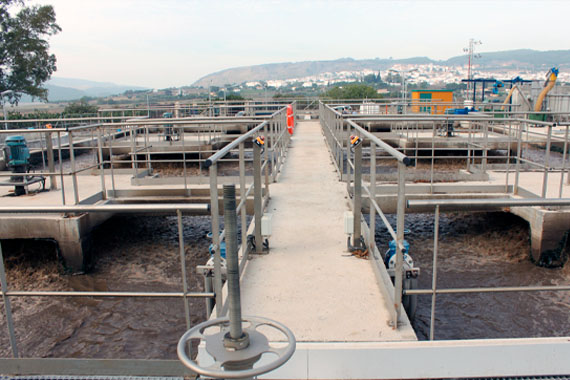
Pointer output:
x,y
546,162
215,215
243,192
372,200
518,162
183,268
273,150
485,149
257,197
133,151
434,273
101,162
73,173
7,307
266,171
342,139
432,157
234,297
184,161
401,206
508,159
147,146
60,167
111,138
357,209
51,162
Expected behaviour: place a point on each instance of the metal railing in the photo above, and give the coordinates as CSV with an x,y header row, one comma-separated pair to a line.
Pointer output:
x,y
266,166
483,143
95,366
338,128
338,135
467,204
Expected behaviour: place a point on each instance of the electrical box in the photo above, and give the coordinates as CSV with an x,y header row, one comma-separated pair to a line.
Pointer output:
x,y
348,222
266,221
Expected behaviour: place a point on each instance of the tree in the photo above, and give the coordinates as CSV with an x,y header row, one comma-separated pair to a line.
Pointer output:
x,y
353,91
80,108
25,62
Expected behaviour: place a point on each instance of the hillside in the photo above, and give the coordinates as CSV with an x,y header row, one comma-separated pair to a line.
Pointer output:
x,y
522,58
60,89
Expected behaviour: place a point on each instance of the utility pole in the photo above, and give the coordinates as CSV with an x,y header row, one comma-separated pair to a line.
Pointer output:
x,y
470,50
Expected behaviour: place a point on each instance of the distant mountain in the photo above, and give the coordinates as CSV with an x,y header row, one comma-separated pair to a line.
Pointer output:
x,y
522,58
60,89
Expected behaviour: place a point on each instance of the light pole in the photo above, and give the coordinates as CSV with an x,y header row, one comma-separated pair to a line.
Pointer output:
x,y
470,50
403,75
3,94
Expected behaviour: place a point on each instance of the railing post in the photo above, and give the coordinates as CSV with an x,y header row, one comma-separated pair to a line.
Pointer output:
x,y
215,215
51,162
243,191
60,167
342,139
73,174
7,307
434,273
357,209
266,171
518,163
257,197
183,268
400,235
546,162
101,162
372,237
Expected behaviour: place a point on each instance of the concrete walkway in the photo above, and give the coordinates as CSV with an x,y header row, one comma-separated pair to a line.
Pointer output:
x,y
308,281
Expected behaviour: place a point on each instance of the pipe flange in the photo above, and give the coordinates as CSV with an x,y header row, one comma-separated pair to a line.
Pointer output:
x,y
236,363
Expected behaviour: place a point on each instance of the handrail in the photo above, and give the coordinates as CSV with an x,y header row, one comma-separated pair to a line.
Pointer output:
x,y
222,152
478,203
401,157
152,208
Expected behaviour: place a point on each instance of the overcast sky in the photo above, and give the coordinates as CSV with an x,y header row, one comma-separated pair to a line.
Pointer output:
x,y
164,43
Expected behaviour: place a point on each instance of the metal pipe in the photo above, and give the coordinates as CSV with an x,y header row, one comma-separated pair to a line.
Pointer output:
x,y
51,161
546,163
234,298
60,167
101,163
479,203
54,293
73,173
216,238
564,166
110,208
391,151
243,194
183,268
434,273
222,152
357,208
372,198
499,289
7,306
257,197
518,162
401,206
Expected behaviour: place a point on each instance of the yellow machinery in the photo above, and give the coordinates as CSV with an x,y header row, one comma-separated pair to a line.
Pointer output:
x,y
548,85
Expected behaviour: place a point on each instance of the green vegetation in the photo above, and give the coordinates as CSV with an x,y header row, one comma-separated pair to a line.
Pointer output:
x,y
352,91
80,108
25,63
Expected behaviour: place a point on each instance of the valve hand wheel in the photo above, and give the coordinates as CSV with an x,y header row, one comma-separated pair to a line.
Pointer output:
x,y
236,364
